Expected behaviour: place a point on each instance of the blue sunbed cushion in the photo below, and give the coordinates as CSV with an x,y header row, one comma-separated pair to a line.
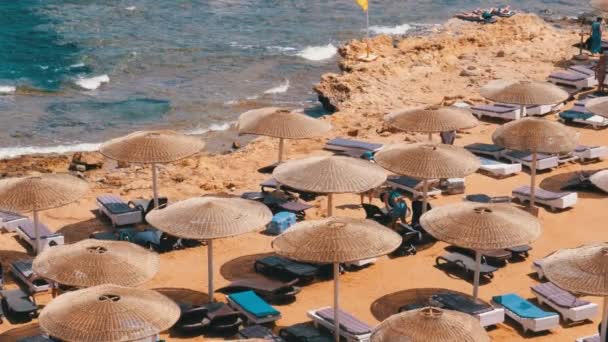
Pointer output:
x,y
491,148
575,115
486,161
521,306
115,204
253,304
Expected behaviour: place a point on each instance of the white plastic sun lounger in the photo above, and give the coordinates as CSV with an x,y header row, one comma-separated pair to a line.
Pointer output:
x,y
554,200
542,109
488,150
26,231
585,153
544,161
118,211
528,315
573,79
9,220
497,168
352,147
22,269
566,304
500,111
412,185
351,328
593,338
485,313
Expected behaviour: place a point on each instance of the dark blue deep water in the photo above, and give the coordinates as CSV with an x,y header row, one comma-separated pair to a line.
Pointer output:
x,y
84,71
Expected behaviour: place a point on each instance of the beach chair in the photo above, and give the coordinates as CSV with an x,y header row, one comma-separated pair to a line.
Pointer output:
x,y
26,231
464,263
587,153
118,211
489,150
253,307
258,332
498,169
485,313
147,205
499,111
554,200
540,110
304,332
579,114
522,251
270,290
216,317
9,220
22,270
592,338
496,258
273,185
352,147
351,328
279,267
573,79
412,185
544,161
581,182
569,307
528,315
483,198
18,304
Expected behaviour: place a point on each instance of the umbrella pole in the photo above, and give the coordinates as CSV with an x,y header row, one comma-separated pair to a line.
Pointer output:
x,y
281,148
430,137
604,320
37,233
155,185
425,191
533,181
521,112
336,300
330,205
210,289
476,276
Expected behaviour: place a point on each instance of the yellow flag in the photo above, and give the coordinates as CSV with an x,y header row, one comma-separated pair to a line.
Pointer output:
x,y
363,4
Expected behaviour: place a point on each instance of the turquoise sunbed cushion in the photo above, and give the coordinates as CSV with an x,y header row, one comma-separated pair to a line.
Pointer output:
x,y
521,307
574,115
253,304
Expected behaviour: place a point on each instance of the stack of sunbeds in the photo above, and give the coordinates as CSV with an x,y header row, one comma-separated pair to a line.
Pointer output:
x,y
351,328
554,200
578,77
580,115
528,315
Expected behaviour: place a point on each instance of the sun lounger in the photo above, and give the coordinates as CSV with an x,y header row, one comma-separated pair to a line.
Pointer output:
x,y
26,231
483,198
489,150
352,147
574,79
146,205
279,267
593,338
253,307
22,269
581,182
528,315
580,114
496,258
118,211
270,290
544,161
18,304
351,328
304,332
537,266
465,263
522,251
259,332
569,307
540,110
217,317
554,200
497,168
411,185
9,220
487,314
500,111
585,153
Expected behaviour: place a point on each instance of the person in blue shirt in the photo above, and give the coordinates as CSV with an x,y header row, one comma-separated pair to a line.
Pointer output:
x,y
397,208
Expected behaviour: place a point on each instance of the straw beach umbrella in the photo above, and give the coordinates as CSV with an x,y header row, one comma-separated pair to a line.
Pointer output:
x,y
330,175
598,106
152,147
336,240
600,179
582,270
40,192
430,325
108,313
210,218
481,227
94,262
431,120
281,123
524,93
536,136
427,161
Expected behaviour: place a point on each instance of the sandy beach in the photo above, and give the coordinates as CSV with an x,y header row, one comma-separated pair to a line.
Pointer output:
x,y
445,67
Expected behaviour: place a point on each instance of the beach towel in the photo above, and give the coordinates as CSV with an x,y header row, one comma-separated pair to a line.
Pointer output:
x,y
521,307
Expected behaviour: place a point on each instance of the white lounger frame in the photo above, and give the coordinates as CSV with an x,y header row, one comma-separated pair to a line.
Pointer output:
x,y
318,320
11,226
416,193
586,83
539,271
120,219
510,115
541,164
45,241
577,314
592,153
564,202
251,317
595,121
29,282
543,109
361,263
494,317
502,169
582,339
532,324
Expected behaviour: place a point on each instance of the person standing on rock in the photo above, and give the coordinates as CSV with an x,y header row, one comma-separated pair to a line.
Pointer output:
x,y
596,36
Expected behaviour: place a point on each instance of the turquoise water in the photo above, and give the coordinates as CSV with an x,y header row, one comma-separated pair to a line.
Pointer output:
x,y
85,71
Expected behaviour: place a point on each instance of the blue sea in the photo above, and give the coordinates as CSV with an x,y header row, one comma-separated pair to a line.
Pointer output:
x,y
74,73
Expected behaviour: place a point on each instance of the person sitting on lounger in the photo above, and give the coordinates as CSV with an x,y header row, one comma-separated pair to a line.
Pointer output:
x,y
396,206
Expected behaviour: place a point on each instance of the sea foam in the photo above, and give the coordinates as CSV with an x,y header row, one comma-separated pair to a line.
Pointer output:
x,y
4,90
283,87
212,128
394,30
11,152
92,83
318,53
